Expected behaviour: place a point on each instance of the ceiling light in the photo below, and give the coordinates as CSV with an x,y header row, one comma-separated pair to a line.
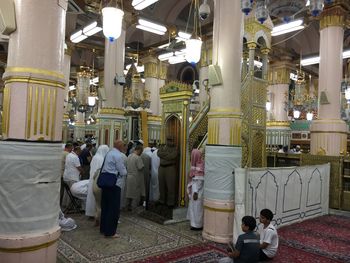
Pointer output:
x,y
142,4
77,37
150,30
177,59
164,46
316,60
183,35
309,116
72,87
310,61
286,28
112,22
151,27
165,56
91,29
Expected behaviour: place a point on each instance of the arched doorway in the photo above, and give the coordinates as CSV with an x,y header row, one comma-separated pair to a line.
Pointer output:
x,y
173,129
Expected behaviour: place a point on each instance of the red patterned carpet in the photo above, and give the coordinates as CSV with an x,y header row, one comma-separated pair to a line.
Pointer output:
x,y
323,240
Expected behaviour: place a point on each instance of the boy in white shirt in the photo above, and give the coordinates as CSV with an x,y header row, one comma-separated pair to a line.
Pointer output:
x,y
268,236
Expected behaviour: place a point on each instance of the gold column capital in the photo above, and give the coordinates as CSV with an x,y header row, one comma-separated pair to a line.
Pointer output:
x,y
280,75
163,70
265,51
251,45
151,67
333,16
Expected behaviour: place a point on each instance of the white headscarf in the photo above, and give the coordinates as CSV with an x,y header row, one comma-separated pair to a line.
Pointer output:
x,y
148,151
98,158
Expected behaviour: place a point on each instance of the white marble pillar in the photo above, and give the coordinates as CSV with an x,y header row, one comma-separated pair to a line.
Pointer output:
x,y
203,75
114,64
30,156
252,47
278,130
151,82
111,115
329,132
162,76
224,119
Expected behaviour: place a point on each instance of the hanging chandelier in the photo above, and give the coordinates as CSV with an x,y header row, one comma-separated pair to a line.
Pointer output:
x,y
283,9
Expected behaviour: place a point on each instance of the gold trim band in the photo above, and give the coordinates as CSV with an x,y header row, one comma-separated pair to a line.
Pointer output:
x,y
28,249
45,82
340,132
35,71
278,123
223,210
216,116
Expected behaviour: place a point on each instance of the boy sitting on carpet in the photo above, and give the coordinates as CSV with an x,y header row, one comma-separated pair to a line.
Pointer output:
x,y
268,236
247,245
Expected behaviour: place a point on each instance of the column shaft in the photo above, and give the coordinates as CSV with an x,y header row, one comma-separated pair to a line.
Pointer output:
x,y
33,109
329,132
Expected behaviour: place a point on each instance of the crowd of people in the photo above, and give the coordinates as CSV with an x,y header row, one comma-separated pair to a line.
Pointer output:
x,y
144,176
147,175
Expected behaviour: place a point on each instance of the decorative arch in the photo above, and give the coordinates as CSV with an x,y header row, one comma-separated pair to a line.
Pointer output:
x,y
262,34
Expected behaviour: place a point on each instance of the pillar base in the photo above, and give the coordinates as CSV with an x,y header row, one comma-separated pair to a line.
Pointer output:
x,y
34,248
328,137
218,220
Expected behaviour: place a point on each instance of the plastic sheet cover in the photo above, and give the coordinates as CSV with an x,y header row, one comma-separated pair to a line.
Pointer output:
x,y
293,194
29,187
220,162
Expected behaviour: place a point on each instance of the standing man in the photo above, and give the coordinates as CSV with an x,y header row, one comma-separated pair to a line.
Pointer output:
x,y
167,173
135,183
110,201
86,158
67,149
147,162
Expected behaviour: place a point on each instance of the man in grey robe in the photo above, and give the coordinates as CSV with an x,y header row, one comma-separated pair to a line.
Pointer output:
x,y
135,183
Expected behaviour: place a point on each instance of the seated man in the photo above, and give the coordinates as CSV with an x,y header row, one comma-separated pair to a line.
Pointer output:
x,y
268,236
246,249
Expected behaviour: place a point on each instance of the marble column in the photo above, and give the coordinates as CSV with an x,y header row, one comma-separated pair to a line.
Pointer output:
x,y
162,76
203,76
30,155
223,151
265,60
66,72
329,132
111,118
278,125
151,82
252,47
244,64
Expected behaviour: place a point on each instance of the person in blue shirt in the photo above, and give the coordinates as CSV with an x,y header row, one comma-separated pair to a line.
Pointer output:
x,y
110,199
247,246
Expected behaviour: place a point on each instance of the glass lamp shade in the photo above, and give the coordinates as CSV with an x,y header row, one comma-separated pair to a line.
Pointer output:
x,y
193,50
112,22
309,116
296,114
268,106
347,93
91,101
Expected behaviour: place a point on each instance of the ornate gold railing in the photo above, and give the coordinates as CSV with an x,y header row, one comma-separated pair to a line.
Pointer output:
x,y
199,126
253,106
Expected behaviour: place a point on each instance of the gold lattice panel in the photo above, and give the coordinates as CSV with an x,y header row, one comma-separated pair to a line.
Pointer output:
x,y
335,176
200,130
253,101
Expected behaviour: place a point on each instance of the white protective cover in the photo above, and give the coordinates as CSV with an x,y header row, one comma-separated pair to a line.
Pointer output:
x,y
29,187
220,162
293,194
